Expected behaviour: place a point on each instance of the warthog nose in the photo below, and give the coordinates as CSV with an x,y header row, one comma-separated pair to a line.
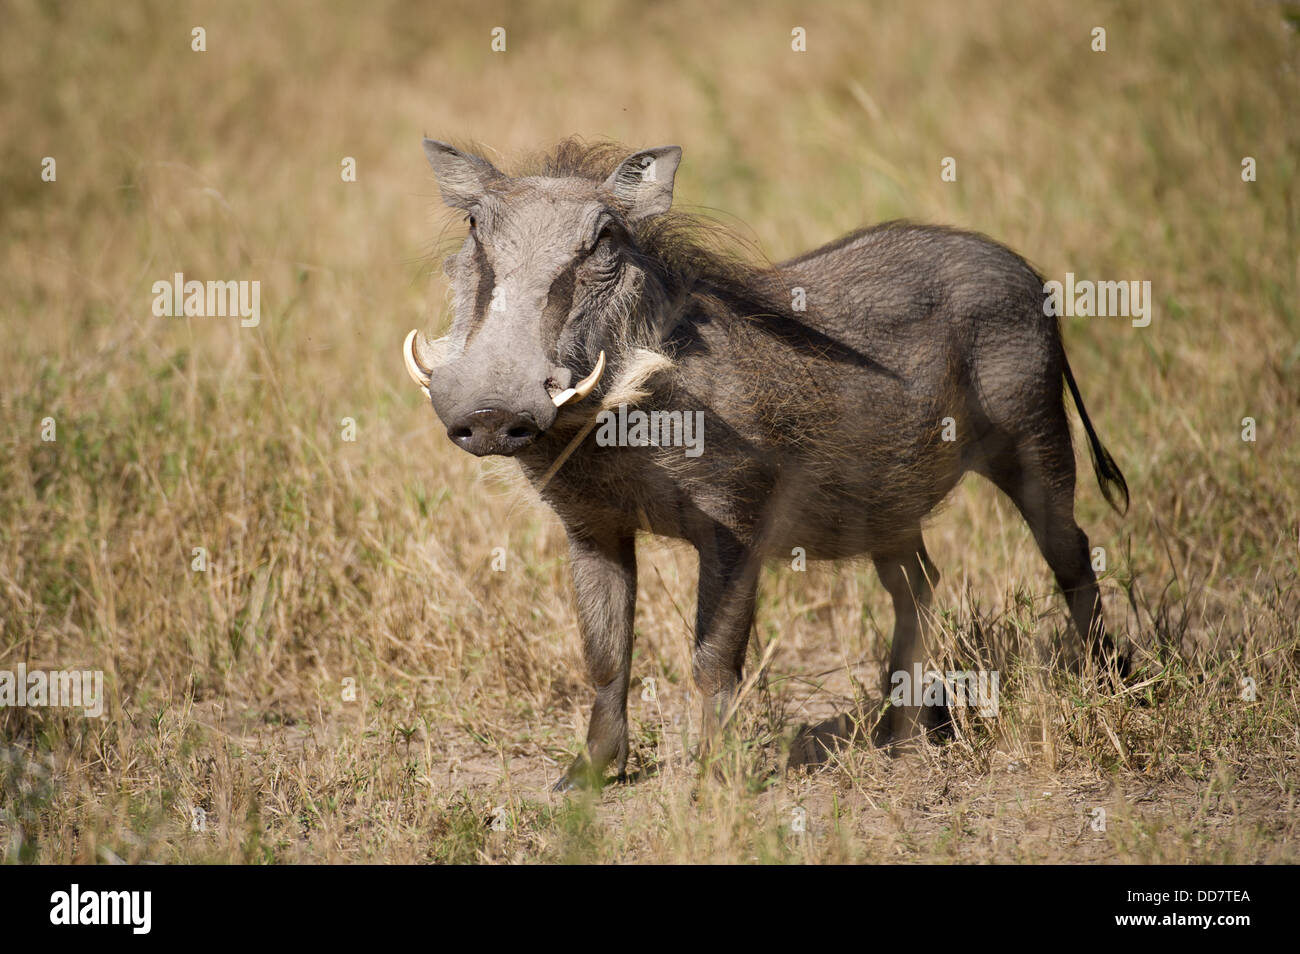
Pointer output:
x,y
493,431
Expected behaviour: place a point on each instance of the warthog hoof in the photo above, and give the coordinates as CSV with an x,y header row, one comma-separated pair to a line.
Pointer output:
x,y
583,776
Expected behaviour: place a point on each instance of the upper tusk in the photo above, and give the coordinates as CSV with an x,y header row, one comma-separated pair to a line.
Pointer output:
x,y
418,374
583,387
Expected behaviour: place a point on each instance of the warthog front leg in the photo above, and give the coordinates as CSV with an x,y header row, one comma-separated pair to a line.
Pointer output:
x,y
723,618
604,578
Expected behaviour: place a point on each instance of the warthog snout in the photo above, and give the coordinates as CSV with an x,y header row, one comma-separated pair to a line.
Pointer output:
x,y
493,431
519,404
494,407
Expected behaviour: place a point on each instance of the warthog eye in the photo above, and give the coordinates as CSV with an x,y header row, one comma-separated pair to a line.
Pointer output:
x,y
603,243
602,254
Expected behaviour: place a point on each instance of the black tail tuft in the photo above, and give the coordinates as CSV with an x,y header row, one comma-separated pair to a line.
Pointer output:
x,y
1112,483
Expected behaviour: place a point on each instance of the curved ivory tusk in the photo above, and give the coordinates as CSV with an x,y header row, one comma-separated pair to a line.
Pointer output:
x,y
418,374
583,387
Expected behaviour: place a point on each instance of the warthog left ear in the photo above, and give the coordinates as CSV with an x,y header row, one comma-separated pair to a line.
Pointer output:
x,y
643,182
462,176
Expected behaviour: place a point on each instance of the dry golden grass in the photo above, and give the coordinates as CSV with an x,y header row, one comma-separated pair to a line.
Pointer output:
x,y
371,560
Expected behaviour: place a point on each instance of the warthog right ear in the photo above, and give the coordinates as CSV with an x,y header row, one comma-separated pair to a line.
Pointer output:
x,y
462,177
643,182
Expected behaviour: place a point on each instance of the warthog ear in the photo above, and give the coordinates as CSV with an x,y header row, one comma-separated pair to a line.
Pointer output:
x,y
643,182
462,177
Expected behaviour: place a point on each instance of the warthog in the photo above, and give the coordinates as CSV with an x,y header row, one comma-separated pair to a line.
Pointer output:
x,y
844,394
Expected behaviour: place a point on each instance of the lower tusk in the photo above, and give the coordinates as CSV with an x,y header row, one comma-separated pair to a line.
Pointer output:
x,y
583,387
413,368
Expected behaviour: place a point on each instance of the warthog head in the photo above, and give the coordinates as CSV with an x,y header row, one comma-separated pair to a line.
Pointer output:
x,y
549,285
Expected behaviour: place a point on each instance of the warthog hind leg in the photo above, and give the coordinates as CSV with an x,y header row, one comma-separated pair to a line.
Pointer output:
x,y
1038,474
909,576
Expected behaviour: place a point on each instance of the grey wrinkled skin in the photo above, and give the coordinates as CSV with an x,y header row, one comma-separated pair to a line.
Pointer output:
x,y
823,427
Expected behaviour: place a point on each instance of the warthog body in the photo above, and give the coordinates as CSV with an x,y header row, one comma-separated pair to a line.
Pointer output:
x,y
919,354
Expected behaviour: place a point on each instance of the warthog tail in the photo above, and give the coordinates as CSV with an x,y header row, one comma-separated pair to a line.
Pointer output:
x,y
1112,483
